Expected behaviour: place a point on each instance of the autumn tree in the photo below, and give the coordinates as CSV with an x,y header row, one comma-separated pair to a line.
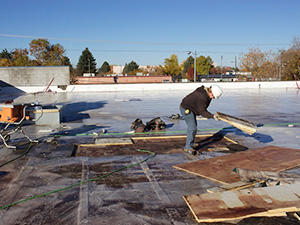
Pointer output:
x,y
86,62
290,61
46,54
260,64
190,73
6,58
105,68
290,64
21,58
188,64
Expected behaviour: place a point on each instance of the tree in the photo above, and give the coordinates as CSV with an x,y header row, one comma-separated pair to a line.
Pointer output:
x,y
188,64
172,66
86,62
21,58
256,61
203,65
190,73
105,68
130,68
5,54
290,63
38,49
55,55
46,54
6,58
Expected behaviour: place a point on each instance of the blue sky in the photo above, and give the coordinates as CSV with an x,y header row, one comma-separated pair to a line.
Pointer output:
x,y
148,31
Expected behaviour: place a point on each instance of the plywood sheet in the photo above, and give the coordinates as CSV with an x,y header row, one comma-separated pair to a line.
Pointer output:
x,y
230,205
220,169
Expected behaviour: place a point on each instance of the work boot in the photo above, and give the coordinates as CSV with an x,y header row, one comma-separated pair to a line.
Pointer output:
x,y
191,151
196,145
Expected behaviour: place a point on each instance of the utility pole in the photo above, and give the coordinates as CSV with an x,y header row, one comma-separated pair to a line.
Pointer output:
x,y
195,64
221,66
89,67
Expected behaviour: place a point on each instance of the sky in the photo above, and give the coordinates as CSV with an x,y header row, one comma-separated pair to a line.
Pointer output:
x,y
149,31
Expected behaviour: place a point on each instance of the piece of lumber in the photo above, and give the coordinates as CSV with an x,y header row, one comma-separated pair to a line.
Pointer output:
x,y
244,125
220,169
233,186
113,141
239,204
218,149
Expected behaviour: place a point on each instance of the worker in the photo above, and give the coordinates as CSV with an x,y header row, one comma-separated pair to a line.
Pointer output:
x,y
195,104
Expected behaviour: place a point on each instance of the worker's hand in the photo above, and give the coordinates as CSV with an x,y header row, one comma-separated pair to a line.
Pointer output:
x,y
216,117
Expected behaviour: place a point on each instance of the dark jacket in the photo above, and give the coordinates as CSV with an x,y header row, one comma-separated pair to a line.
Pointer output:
x,y
198,102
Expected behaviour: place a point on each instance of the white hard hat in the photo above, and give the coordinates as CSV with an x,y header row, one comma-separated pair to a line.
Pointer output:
x,y
216,91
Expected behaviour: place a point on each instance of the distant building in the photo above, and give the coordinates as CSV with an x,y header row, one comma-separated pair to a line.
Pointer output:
x,y
117,69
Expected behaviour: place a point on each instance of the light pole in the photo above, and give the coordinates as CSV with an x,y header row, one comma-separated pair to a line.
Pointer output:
x,y
195,65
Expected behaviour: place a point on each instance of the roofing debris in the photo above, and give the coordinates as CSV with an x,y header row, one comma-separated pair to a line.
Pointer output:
x,y
239,204
252,185
220,169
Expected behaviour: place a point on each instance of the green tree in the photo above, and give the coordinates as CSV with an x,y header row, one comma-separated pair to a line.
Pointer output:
x,y
130,68
5,54
172,66
188,63
86,62
203,65
105,68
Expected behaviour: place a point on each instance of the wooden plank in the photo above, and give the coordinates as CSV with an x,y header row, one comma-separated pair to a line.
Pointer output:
x,y
113,141
239,204
244,125
234,186
220,169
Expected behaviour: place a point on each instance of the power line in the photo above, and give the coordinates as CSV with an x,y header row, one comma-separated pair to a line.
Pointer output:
x,y
145,43
150,51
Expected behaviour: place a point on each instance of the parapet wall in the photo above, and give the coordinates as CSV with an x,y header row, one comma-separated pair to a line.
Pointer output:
x,y
123,79
153,87
35,75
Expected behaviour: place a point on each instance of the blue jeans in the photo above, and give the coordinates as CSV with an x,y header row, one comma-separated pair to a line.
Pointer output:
x,y
191,123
